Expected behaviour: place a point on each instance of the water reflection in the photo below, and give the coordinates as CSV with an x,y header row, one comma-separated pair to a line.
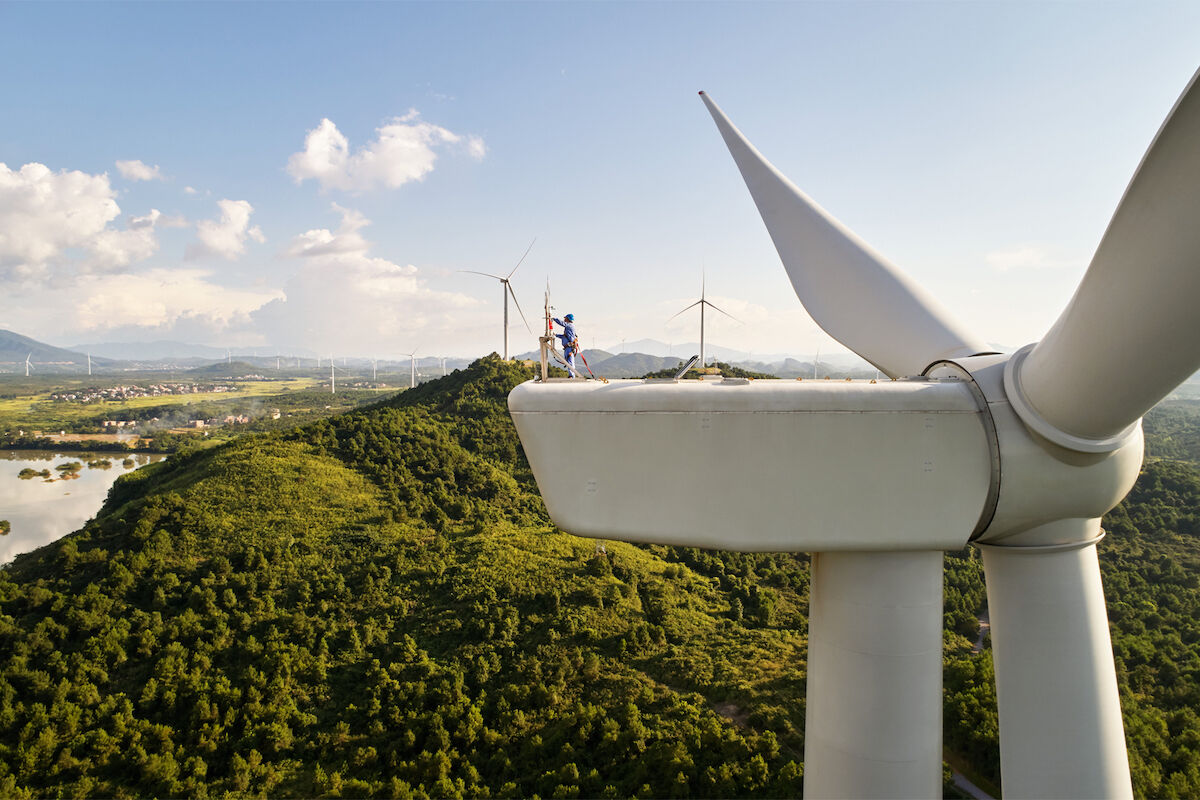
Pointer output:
x,y
44,509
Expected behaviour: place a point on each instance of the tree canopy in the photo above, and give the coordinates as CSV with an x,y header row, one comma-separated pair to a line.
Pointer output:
x,y
376,604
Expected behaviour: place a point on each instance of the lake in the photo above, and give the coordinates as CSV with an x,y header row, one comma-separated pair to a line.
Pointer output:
x,y
41,511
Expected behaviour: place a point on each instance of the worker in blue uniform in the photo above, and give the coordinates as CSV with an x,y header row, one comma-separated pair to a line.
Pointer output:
x,y
570,342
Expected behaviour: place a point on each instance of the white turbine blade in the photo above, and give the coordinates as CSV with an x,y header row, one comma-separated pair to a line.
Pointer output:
x,y
858,297
518,305
693,305
1131,333
487,274
527,249
726,313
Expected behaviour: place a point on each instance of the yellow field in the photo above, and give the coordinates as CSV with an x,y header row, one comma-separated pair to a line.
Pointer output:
x,y
37,411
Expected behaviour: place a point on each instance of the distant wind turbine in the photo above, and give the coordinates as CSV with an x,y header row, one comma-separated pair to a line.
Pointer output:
x,y
702,302
412,379
507,289
89,355
332,376
27,364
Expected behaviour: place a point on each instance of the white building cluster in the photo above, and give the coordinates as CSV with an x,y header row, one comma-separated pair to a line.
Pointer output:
x,y
117,393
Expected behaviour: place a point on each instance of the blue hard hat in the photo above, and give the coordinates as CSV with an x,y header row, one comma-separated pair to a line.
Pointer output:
x,y
569,317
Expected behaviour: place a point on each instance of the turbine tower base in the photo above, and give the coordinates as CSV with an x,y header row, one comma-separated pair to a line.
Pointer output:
x,y
1061,733
873,726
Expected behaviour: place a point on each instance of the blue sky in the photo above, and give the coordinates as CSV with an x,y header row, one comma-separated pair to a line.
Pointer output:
x,y
982,147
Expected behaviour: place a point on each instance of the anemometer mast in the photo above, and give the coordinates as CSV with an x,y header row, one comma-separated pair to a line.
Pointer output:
x,y
1021,454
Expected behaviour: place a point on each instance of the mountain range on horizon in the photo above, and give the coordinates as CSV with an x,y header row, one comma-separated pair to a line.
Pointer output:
x,y
639,358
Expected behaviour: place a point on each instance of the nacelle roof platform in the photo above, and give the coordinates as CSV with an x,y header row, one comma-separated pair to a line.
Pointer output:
x,y
773,465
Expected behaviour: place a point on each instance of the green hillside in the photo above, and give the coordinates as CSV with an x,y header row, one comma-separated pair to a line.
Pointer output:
x,y
376,604
1172,430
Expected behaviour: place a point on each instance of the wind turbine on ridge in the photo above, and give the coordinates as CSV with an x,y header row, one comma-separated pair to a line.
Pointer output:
x,y
1020,454
412,365
702,302
506,289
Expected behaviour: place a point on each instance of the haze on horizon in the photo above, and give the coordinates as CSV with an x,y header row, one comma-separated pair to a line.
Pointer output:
x,y
315,176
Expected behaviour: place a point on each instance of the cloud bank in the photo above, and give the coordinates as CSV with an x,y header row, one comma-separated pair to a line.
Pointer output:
x,y
226,236
343,298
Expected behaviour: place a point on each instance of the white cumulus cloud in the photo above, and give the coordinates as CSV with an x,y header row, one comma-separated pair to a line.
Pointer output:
x,y
61,221
226,236
344,298
112,249
404,150
137,171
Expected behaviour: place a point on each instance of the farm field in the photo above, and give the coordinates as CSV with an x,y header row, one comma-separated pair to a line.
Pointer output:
x,y
28,408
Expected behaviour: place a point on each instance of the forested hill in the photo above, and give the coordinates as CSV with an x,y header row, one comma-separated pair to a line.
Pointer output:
x,y
377,605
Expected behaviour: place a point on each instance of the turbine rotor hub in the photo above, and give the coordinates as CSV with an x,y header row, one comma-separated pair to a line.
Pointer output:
x,y
1038,477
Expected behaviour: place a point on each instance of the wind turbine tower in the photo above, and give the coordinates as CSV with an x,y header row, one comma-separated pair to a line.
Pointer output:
x,y
702,302
1020,454
507,290
412,365
27,364
89,355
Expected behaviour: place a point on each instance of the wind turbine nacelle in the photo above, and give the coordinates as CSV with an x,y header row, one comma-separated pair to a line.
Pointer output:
x,y
764,465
